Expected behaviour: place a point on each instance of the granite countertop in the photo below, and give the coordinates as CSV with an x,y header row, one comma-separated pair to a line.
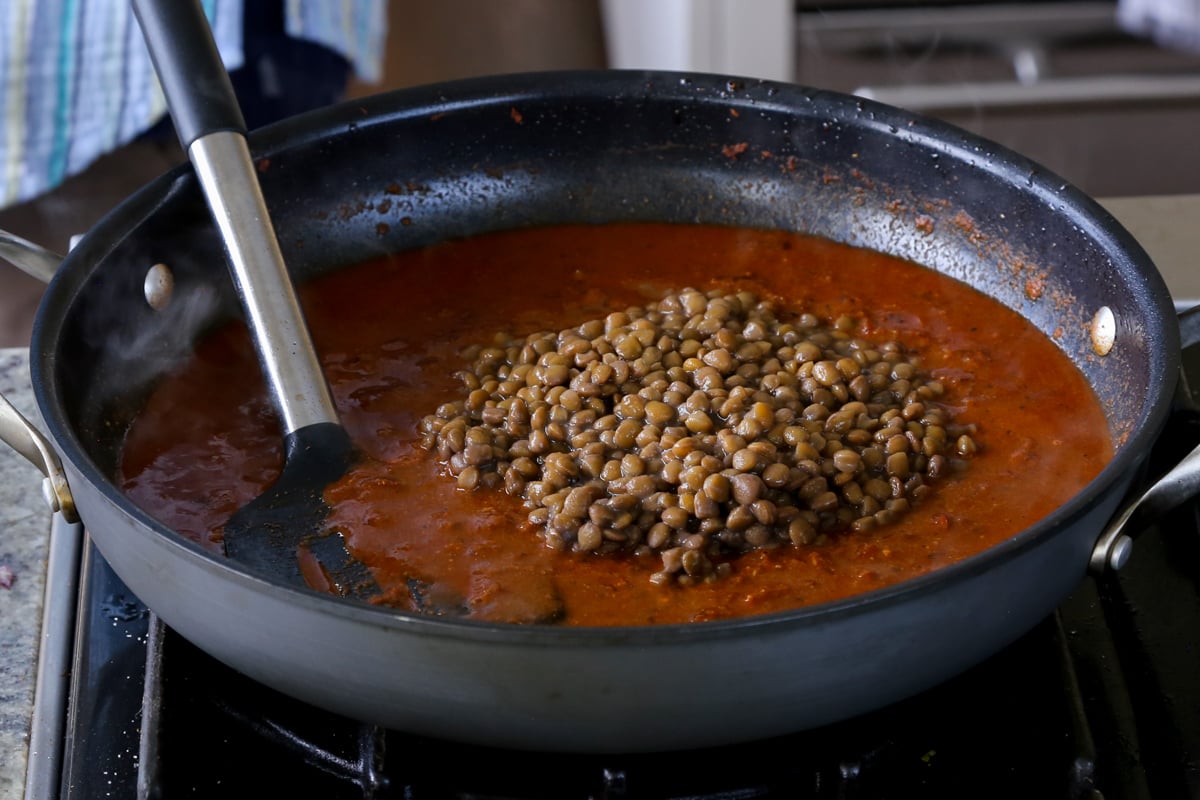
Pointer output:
x,y
24,533
1163,225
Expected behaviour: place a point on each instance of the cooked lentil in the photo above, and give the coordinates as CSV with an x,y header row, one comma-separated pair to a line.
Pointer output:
x,y
697,428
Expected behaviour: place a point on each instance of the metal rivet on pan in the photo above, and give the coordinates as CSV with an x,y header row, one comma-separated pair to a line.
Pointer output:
x,y
158,286
1118,555
1103,330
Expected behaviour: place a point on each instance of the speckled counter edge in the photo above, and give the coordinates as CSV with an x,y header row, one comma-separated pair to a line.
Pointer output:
x,y
24,534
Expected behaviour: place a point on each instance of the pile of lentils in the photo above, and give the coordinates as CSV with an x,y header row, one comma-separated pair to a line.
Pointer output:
x,y
697,428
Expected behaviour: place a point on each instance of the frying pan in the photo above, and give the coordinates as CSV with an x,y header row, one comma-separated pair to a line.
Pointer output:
x,y
414,167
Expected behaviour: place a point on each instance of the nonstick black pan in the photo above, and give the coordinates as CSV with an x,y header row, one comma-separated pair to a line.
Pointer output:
x,y
418,166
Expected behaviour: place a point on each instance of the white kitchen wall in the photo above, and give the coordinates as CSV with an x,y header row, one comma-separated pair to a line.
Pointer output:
x,y
750,38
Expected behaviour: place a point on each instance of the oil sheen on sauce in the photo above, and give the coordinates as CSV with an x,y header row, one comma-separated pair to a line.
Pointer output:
x,y
390,333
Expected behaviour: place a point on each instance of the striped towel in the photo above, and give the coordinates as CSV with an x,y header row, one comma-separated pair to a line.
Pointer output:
x,y
76,80
1170,23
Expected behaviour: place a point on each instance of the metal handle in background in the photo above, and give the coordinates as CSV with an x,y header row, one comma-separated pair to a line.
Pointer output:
x,y
1180,484
22,436
16,431
29,257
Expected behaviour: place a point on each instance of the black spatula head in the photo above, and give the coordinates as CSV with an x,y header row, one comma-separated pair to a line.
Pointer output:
x,y
282,533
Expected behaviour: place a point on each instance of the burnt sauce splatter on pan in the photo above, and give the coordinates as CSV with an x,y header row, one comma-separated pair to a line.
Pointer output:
x,y
392,334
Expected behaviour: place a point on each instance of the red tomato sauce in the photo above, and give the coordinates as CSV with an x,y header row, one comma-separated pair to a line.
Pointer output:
x,y
390,333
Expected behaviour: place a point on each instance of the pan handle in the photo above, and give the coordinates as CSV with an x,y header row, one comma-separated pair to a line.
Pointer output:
x,y
16,431
29,257
1180,484
20,434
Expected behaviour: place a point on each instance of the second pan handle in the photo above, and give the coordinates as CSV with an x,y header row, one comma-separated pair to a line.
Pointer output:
x,y
1180,484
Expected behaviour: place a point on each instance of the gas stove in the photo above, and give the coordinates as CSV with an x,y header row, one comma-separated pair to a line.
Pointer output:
x,y
1100,700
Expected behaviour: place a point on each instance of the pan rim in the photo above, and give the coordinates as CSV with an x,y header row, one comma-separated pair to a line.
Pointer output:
x,y
946,138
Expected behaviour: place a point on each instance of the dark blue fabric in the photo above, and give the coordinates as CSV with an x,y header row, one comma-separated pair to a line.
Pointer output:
x,y
283,76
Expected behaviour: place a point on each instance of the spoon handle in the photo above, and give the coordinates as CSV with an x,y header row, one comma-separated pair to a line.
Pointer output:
x,y
211,129
31,258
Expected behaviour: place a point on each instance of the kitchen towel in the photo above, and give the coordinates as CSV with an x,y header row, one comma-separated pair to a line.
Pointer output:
x,y
76,80
1170,23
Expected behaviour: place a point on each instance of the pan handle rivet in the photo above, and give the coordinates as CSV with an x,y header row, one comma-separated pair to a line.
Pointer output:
x,y
158,286
1118,556
1103,330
